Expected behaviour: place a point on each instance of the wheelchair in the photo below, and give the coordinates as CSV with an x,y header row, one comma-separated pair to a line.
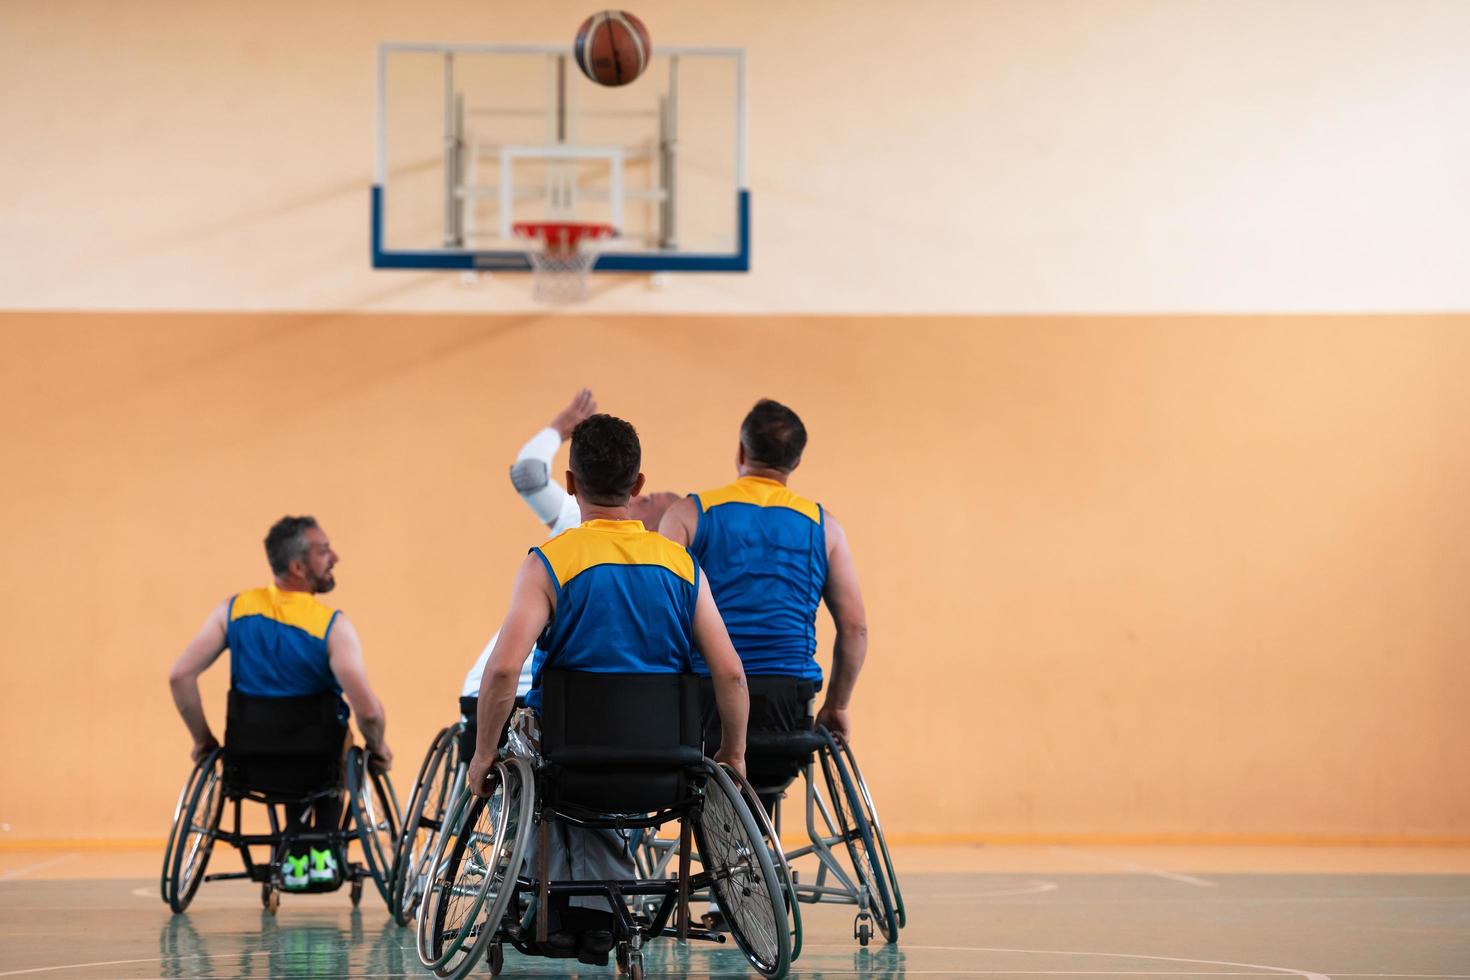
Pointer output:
x,y
439,778
782,743
280,752
618,752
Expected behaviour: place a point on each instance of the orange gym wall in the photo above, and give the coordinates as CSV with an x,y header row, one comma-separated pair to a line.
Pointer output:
x,y
1126,576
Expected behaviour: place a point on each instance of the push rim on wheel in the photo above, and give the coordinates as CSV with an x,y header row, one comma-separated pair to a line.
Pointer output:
x,y
742,877
506,857
872,814
778,856
460,881
858,836
193,847
375,814
421,824
166,877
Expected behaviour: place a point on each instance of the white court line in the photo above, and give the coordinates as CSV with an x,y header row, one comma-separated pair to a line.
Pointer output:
x,y
1131,866
21,872
1307,974
1033,888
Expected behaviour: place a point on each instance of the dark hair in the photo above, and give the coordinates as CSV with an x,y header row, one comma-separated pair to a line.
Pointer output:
x,y
605,459
287,540
773,436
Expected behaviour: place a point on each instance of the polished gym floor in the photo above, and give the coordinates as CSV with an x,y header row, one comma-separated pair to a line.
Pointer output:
x,y
993,911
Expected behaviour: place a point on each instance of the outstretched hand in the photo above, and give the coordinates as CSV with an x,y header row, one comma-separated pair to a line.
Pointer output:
x,y
581,407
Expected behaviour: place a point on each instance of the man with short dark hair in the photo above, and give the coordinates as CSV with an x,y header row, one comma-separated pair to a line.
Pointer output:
x,y
531,475
283,642
607,596
771,557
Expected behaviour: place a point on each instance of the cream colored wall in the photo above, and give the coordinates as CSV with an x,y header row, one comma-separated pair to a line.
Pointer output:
x,y
948,156
1125,576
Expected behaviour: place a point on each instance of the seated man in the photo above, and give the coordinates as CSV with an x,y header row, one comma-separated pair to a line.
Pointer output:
x,y
771,556
285,643
531,476
608,596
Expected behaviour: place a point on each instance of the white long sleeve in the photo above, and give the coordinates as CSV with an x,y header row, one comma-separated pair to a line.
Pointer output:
x,y
531,476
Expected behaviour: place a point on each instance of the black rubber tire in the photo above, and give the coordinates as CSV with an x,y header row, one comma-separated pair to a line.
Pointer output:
x,y
173,832
857,834
871,812
195,842
374,819
741,876
425,813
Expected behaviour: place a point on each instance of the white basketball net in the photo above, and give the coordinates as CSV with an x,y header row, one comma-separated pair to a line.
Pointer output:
x,y
561,262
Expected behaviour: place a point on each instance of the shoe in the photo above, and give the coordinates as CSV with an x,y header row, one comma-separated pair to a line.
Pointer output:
x,y
294,876
714,920
596,944
323,867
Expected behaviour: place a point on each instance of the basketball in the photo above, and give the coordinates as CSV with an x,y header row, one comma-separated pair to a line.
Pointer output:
x,y
612,47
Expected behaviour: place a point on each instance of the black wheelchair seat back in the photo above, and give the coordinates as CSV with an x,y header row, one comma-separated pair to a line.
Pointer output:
x,y
779,738
284,749
619,743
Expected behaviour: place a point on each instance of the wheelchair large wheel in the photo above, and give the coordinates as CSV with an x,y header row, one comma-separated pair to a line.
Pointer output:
x,y
192,839
374,818
857,834
742,877
871,812
778,856
421,824
476,864
185,795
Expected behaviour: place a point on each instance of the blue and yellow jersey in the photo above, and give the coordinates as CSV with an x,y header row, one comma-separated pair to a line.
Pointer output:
x,y
764,550
624,602
278,644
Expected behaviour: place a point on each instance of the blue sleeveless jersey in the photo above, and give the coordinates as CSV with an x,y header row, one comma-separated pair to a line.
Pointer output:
x,y
764,551
624,603
278,645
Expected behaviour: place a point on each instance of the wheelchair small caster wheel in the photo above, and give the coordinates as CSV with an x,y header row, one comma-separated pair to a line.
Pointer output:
x,y
356,892
270,898
862,930
497,959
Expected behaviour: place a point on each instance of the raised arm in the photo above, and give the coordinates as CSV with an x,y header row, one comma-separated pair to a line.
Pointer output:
x,y
531,472
845,602
680,522
532,599
183,679
344,651
728,675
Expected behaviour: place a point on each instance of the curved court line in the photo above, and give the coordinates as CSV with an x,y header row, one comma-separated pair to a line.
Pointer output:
x,y
1034,888
1305,974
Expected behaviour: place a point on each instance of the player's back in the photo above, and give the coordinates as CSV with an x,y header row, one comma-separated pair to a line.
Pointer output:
x,y
278,644
625,600
763,549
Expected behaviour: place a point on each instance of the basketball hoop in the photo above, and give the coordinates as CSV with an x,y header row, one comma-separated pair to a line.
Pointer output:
x,y
562,255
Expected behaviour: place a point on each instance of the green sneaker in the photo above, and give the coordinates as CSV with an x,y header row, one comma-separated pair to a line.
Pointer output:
x,y
323,866
294,876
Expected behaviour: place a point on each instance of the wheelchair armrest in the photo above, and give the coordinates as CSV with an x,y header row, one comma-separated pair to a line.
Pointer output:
x,y
797,744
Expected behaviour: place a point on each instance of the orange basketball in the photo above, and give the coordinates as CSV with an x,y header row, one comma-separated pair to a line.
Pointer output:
x,y
612,47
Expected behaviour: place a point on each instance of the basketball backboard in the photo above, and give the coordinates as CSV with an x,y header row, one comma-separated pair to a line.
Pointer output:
x,y
475,138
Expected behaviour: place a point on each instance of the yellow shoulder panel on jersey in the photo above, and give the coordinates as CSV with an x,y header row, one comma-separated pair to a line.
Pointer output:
x,y
761,493
613,543
298,609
